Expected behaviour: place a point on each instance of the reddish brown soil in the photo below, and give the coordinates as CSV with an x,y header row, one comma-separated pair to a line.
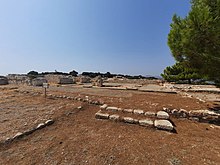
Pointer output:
x,y
77,137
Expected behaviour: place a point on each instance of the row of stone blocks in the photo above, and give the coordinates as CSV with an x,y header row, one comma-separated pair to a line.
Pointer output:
x,y
159,114
77,98
206,116
28,132
162,124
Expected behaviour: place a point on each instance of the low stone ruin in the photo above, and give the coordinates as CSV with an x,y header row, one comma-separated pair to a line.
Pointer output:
x,y
28,132
59,79
3,80
84,79
159,120
66,80
98,81
38,81
18,79
205,116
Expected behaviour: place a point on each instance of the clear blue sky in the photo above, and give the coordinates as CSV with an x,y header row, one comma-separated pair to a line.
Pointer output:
x,y
120,36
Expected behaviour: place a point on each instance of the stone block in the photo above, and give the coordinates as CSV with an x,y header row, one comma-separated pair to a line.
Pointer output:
x,y
146,122
138,111
194,119
104,106
164,125
150,114
114,117
128,110
128,120
18,135
112,109
100,115
162,115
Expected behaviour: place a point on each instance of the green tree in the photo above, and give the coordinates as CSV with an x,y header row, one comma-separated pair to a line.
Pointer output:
x,y
73,73
195,40
178,72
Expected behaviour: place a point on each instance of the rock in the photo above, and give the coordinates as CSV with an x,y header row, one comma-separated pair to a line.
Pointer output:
x,y
104,106
194,119
138,111
120,109
114,117
41,125
80,107
112,108
146,122
98,81
136,121
128,120
174,112
49,122
150,114
166,109
17,135
100,115
162,115
164,125
128,110
183,113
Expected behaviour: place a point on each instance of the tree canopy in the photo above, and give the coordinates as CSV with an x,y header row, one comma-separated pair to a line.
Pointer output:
x,y
179,72
195,40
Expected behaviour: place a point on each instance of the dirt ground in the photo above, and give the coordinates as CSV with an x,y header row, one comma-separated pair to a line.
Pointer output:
x,y
77,138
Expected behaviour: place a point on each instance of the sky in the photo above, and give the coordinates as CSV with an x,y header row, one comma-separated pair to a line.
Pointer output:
x,y
117,36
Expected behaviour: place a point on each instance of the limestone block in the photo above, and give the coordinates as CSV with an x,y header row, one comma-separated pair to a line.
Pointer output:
x,y
162,115
128,120
146,122
150,114
114,117
100,115
112,108
104,106
138,111
128,110
164,125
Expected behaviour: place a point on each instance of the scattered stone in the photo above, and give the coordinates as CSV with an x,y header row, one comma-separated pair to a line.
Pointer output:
x,y
162,115
194,119
146,122
80,107
120,109
114,117
17,135
49,122
174,112
100,115
104,106
112,108
164,125
138,111
136,121
150,114
128,120
128,110
41,125
195,114
183,113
